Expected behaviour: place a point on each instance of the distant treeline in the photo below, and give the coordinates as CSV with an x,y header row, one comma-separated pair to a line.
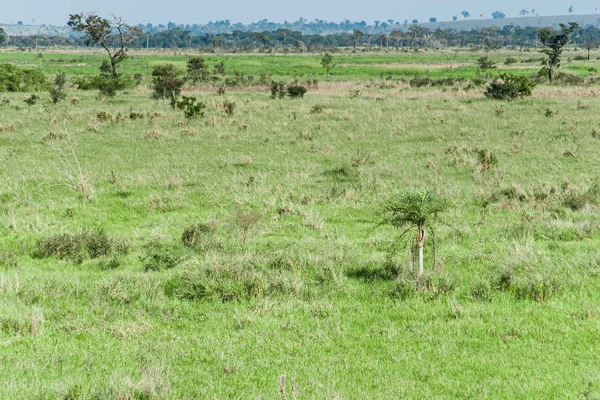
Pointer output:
x,y
289,40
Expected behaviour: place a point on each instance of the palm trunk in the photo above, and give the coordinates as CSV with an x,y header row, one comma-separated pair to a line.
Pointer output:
x,y
420,240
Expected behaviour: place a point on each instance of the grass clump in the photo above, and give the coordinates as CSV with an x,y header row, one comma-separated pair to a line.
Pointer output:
x,y
79,246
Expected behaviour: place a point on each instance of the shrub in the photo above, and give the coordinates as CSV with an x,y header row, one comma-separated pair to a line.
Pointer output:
x,y
57,95
197,69
277,90
167,82
510,61
296,91
485,63
508,87
31,100
229,107
191,107
486,160
103,116
14,79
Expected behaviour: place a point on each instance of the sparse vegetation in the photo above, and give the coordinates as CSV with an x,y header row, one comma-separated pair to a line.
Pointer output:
x,y
186,257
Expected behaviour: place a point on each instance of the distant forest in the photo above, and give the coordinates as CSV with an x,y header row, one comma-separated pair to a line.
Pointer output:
x,y
288,40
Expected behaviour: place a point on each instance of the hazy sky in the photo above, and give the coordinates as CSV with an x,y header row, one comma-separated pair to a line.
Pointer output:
x,y
201,11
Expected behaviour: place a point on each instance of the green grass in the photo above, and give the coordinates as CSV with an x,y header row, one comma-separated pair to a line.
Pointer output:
x,y
290,276
349,67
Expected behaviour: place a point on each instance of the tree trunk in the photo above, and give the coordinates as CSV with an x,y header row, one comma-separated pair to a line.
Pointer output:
x,y
113,66
420,239
550,74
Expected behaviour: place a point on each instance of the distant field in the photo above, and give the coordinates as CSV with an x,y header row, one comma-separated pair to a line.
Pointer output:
x,y
145,256
458,64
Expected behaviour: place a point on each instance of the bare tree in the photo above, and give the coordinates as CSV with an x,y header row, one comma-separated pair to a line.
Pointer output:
x,y
103,32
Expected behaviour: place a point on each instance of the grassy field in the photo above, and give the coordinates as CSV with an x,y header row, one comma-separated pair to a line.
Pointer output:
x,y
447,63
239,256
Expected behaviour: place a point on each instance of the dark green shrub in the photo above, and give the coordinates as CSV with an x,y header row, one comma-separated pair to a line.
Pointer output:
x,y
296,91
197,70
485,63
510,61
508,87
103,116
31,100
57,95
191,107
277,90
167,82
229,107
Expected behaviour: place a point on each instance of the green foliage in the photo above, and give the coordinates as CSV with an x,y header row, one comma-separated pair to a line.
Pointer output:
x,y
167,82
554,43
191,107
77,247
485,63
31,100
327,62
57,93
159,256
296,91
14,79
229,107
509,87
3,37
197,70
510,61
277,90
414,209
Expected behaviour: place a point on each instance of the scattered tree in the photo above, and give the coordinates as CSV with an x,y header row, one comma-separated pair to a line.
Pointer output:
x,y
327,62
167,83
498,15
57,92
554,43
415,211
99,31
465,14
454,17
432,20
571,10
3,37
523,12
197,69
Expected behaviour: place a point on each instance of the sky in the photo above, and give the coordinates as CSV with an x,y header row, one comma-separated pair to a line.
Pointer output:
x,y
56,12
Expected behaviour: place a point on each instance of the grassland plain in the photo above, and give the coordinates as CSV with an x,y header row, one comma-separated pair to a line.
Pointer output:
x,y
238,256
445,63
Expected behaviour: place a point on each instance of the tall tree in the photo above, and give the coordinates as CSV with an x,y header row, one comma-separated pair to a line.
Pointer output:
x,y
554,43
103,32
465,14
3,37
356,38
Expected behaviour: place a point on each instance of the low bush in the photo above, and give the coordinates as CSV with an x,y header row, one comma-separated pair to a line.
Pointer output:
x,y
296,91
508,87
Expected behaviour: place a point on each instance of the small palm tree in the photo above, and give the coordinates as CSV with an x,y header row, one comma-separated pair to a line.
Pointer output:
x,y
415,210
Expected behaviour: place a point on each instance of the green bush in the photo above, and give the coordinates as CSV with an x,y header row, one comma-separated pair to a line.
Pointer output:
x,y
14,79
508,87
277,90
191,107
296,91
